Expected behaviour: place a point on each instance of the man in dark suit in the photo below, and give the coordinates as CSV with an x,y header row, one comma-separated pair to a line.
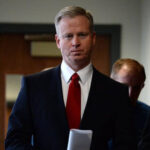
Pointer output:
x,y
40,110
131,73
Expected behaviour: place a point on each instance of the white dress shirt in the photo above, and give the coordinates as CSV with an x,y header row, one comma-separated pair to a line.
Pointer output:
x,y
85,75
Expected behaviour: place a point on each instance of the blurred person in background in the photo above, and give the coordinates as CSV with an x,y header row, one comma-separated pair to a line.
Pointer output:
x,y
131,73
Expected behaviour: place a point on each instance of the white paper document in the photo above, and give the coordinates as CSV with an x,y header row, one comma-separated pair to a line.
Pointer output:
x,y
79,139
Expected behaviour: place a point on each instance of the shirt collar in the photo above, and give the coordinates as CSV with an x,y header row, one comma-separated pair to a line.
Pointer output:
x,y
84,73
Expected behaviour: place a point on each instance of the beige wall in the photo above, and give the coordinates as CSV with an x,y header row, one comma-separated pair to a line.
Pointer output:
x,y
145,47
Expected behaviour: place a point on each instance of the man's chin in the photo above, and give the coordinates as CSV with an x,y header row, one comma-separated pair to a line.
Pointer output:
x,y
78,57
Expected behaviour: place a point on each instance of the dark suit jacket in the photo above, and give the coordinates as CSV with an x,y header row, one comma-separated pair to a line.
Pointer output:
x,y
144,144
40,111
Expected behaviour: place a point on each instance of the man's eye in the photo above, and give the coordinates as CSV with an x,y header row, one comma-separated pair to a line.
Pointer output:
x,y
68,36
83,35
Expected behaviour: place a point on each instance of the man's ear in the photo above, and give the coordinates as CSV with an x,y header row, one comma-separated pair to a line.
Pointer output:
x,y
57,41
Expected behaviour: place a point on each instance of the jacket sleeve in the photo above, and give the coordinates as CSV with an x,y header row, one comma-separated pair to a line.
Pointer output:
x,y
20,124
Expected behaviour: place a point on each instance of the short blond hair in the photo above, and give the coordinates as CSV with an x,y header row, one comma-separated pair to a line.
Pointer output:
x,y
72,11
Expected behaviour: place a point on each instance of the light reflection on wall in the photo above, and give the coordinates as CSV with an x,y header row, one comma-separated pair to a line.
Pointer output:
x,y
13,85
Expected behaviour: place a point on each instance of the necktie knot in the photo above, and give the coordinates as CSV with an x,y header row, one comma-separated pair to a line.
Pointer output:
x,y
75,76
74,79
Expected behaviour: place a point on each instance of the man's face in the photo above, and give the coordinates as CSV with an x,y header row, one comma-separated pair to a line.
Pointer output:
x,y
75,40
134,82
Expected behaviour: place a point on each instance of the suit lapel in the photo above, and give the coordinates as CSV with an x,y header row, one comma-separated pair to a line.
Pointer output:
x,y
55,103
97,86
61,106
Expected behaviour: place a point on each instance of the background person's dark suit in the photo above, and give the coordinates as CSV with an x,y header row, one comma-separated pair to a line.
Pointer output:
x,y
144,144
40,111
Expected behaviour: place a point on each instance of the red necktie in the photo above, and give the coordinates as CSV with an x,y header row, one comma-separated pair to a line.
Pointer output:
x,y
73,107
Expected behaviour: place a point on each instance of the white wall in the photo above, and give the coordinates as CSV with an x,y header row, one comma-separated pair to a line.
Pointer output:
x,y
133,15
145,47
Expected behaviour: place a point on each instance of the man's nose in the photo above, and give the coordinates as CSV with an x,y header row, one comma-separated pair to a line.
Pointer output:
x,y
75,42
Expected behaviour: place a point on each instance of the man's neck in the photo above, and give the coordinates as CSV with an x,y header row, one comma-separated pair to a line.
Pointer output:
x,y
77,67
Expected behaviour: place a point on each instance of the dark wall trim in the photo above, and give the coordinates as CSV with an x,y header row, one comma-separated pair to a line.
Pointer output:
x,y
27,28
23,28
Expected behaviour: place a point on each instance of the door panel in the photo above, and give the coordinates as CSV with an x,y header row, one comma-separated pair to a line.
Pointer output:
x,y
101,54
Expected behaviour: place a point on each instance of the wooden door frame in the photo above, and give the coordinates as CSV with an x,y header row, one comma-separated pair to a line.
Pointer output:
x,y
114,31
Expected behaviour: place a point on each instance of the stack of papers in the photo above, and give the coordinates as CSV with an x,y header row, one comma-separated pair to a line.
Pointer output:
x,y
79,139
